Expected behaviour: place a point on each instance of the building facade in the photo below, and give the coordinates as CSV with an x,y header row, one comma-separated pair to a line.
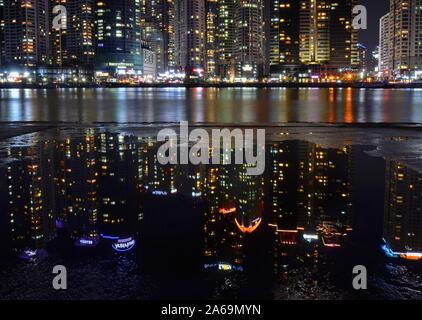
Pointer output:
x,y
191,37
249,39
283,39
225,39
118,37
25,33
310,32
385,61
400,36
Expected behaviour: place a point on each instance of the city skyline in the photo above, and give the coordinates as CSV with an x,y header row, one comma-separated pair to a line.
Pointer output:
x,y
198,41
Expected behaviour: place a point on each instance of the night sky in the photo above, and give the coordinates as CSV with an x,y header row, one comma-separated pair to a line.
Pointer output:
x,y
376,9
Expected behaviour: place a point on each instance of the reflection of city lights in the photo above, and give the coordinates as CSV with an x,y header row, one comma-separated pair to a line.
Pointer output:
x,y
86,242
124,245
310,237
159,193
252,226
223,267
104,236
330,244
411,256
227,211
414,256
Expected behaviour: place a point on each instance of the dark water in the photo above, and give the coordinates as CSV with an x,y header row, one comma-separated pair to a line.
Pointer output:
x,y
296,232
212,105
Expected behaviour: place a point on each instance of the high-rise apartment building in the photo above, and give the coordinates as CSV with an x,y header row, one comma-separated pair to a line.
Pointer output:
x,y
385,57
212,32
73,47
283,39
249,38
157,18
311,32
314,32
25,33
225,39
400,24
343,37
190,24
401,37
118,36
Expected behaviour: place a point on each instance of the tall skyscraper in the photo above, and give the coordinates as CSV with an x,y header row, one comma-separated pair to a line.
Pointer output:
x,y
170,35
157,18
25,33
400,40
212,37
314,31
385,56
190,37
82,32
118,36
225,39
249,38
405,32
73,47
283,38
343,37
310,32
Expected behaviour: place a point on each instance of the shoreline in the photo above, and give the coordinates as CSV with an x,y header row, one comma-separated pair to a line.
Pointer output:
x,y
354,85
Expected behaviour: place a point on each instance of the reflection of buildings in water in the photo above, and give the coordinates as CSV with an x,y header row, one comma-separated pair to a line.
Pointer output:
x,y
403,211
118,193
77,185
249,197
95,183
309,199
324,192
223,244
158,179
234,210
29,217
83,183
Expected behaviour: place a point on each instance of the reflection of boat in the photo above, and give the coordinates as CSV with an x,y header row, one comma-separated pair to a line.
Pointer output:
x,y
30,255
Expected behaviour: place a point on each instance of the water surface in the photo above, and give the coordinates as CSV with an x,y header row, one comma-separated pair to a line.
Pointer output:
x,y
296,232
228,105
